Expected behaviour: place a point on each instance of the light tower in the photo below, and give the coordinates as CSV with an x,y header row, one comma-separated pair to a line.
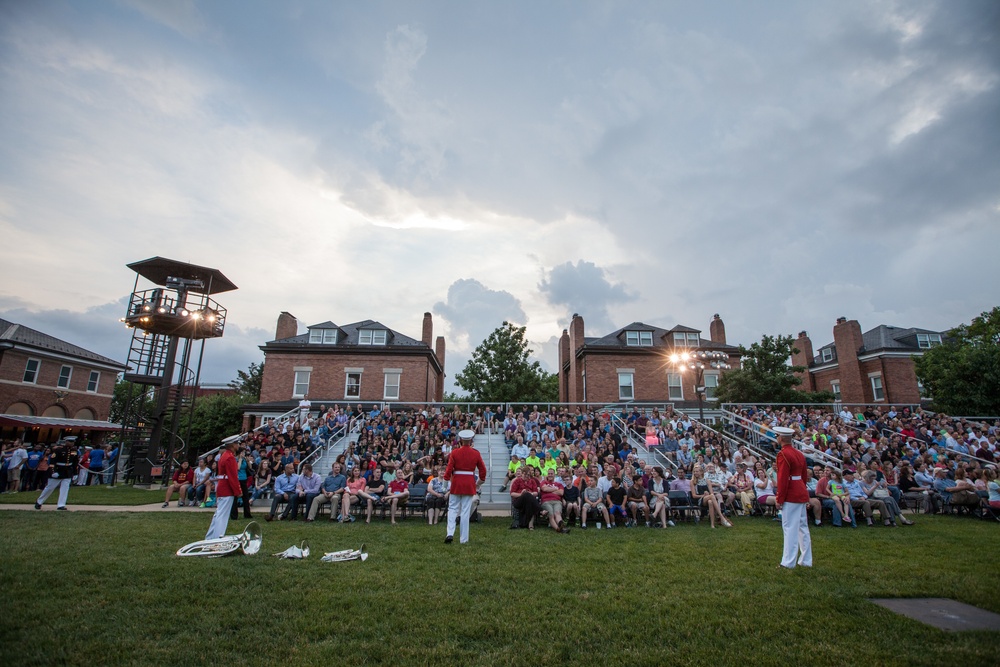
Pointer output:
x,y
169,318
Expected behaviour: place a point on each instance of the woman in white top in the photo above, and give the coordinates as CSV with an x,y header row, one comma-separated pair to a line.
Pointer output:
x,y
764,489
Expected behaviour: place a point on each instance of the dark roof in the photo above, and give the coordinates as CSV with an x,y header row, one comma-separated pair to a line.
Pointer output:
x,y
22,335
661,338
158,269
883,338
350,332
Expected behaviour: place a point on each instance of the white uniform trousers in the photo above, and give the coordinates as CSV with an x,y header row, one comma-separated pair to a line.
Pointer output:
x,y
457,505
220,521
63,485
795,525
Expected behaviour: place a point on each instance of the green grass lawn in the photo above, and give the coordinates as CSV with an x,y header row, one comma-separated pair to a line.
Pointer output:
x,y
121,494
96,589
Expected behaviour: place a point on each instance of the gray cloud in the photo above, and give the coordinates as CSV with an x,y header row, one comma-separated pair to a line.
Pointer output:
x,y
473,311
584,288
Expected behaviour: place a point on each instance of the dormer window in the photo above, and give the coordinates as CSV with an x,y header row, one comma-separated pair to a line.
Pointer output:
x,y
639,338
827,353
690,339
927,341
323,336
371,337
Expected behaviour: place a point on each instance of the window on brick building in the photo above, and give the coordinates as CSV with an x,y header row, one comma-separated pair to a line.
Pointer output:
x,y
391,391
353,386
323,336
65,373
626,392
689,339
639,338
675,388
31,371
877,391
93,381
827,353
711,384
835,388
371,337
927,341
301,387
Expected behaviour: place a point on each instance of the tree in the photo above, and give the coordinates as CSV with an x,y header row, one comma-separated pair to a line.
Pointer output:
x,y
215,417
130,401
499,370
963,373
764,376
247,383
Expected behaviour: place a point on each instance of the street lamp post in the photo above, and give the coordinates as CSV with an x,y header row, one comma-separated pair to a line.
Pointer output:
x,y
698,362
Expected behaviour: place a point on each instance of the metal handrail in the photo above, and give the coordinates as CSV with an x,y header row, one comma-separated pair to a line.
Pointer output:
x,y
761,432
638,443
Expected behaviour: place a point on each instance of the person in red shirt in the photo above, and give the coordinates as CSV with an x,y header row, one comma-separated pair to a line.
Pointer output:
x,y
792,500
183,478
227,487
463,463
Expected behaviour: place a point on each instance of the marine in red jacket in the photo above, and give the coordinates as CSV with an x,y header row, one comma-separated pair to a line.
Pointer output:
x,y
227,487
792,499
463,464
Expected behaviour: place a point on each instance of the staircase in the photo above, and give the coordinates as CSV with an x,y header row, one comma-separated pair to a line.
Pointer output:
x,y
496,456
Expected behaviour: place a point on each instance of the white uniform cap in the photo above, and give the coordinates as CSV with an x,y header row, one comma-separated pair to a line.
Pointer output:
x,y
467,434
781,430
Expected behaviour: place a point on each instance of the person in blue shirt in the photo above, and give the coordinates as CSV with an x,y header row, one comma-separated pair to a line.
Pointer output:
x,y
284,491
35,457
97,465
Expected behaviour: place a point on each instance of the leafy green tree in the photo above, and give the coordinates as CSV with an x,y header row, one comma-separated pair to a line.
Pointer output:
x,y
963,374
130,401
765,376
215,417
500,371
247,383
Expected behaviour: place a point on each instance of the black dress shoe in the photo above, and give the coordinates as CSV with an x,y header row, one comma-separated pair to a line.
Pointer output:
x,y
449,539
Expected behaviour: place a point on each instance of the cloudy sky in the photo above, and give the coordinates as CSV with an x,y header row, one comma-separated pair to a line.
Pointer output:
x,y
779,163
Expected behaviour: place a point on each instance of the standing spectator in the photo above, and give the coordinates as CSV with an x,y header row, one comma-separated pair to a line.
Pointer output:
x,y
18,457
245,472
97,465
81,479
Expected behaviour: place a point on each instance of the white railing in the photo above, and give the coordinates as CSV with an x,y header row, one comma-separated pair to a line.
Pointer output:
x,y
759,433
639,444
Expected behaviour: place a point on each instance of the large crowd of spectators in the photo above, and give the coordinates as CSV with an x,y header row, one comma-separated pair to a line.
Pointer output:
x,y
27,466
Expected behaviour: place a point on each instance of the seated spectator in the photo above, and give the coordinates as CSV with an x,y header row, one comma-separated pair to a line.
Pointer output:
x,y
200,489
524,492
284,491
436,499
814,503
183,477
764,489
917,495
958,493
352,493
571,498
616,503
512,467
593,500
720,482
879,490
704,491
861,501
635,496
307,487
398,493
373,492
659,494
838,503
743,482
551,495
329,493
993,489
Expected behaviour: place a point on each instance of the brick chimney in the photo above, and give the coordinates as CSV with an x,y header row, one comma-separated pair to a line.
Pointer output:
x,y
847,339
427,335
439,353
287,327
575,370
563,374
717,330
804,357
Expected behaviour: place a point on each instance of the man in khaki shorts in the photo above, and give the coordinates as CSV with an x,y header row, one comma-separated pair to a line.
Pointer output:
x,y
17,459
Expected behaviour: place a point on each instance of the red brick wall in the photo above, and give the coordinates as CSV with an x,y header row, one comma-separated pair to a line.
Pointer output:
x,y
41,395
804,357
418,381
900,380
649,376
853,385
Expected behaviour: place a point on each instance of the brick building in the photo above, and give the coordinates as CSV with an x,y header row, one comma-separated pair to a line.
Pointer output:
x,y
50,388
871,367
633,363
363,362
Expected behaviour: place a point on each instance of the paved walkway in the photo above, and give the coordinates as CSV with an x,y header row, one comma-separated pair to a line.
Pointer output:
x,y
158,507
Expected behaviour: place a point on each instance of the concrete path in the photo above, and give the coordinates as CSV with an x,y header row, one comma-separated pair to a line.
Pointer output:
x,y
158,507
